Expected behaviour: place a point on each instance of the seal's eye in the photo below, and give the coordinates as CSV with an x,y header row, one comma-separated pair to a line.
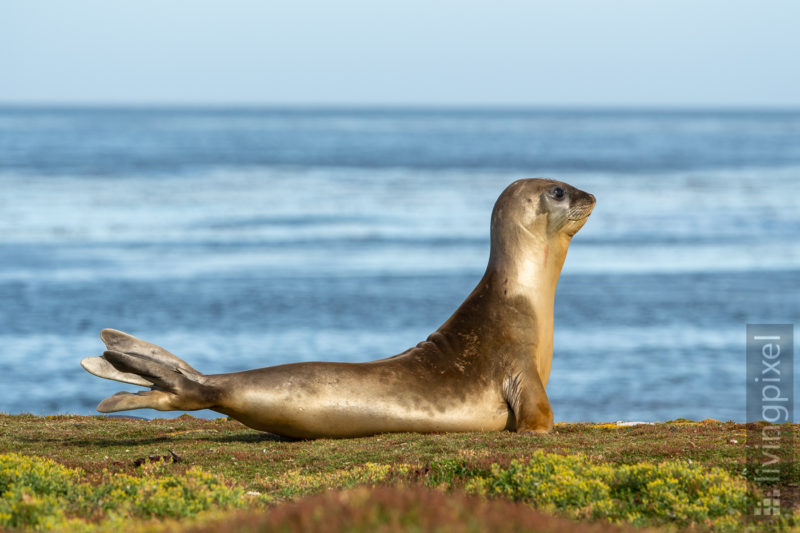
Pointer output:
x,y
558,193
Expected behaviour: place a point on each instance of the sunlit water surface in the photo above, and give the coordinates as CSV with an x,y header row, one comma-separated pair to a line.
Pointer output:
x,y
242,239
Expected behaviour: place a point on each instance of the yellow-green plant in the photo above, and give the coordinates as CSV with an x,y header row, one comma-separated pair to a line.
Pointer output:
x,y
38,493
674,492
31,491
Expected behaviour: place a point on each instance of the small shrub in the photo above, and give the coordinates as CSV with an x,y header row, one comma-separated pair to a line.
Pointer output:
x,y
31,490
165,496
40,475
38,493
673,492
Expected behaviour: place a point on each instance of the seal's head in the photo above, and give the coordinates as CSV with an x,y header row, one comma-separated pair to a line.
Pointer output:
x,y
538,217
542,206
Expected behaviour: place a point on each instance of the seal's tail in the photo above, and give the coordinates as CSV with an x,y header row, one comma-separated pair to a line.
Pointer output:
x,y
174,384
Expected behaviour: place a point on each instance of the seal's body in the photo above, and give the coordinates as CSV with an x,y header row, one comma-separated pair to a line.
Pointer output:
x,y
485,369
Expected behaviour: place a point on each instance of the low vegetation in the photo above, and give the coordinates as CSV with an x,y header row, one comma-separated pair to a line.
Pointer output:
x,y
41,494
93,473
670,493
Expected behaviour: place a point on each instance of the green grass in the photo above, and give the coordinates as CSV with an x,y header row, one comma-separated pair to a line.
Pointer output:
x,y
242,468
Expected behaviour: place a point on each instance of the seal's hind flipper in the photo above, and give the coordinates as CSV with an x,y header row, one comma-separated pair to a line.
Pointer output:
x,y
119,341
173,389
159,375
123,401
100,367
175,385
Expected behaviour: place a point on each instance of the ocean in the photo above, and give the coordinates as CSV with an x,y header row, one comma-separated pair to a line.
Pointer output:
x,y
243,238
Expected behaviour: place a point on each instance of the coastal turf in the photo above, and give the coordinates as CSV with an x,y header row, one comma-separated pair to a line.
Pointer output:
x,y
296,479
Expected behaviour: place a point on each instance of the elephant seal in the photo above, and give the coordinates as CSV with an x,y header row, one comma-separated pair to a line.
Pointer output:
x,y
484,369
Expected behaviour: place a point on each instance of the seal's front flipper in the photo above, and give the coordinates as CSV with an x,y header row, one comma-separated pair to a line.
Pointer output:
x,y
528,400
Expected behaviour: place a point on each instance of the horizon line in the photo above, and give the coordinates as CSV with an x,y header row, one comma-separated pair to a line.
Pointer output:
x,y
341,106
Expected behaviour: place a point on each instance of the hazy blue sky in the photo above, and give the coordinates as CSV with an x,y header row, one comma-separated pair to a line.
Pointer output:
x,y
366,52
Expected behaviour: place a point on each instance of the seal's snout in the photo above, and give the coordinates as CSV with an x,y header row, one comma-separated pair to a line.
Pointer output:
x,y
591,200
584,198
581,206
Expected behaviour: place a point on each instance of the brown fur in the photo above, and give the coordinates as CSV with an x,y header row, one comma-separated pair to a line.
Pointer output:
x,y
485,368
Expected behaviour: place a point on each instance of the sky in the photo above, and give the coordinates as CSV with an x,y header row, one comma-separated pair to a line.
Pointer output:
x,y
559,53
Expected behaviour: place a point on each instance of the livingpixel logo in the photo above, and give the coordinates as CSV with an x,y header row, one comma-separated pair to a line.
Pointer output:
x,y
770,405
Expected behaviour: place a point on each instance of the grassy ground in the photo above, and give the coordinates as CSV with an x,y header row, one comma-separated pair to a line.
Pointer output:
x,y
420,480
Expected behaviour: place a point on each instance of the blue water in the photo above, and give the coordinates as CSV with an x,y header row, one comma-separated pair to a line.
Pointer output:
x,y
246,238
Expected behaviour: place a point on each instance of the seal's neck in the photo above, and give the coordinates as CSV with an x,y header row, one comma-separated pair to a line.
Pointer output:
x,y
528,267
